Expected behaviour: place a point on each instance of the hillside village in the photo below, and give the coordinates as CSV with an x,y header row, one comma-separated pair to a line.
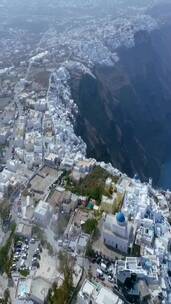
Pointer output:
x,y
72,229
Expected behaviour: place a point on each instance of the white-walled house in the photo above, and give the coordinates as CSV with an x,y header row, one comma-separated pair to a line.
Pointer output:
x,y
42,214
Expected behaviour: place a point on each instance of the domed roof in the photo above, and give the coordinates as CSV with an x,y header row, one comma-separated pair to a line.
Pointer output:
x,y
120,217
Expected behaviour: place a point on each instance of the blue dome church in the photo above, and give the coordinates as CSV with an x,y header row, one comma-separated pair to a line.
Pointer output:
x,y
117,232
120,217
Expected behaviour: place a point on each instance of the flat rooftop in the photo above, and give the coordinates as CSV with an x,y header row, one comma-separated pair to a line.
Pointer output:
x,y
81,217
106,296
39,289
41,182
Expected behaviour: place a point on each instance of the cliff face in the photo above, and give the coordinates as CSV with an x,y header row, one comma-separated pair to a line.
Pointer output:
x,y
125,113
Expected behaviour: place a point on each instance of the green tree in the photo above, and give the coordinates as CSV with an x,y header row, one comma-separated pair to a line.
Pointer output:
x,y
5,210
90,226
5,256
6,295
89,251
63,293
6,299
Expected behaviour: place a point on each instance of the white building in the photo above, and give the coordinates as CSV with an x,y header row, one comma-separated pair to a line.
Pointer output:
x,y
86,293
19,154
145,235
34,120
4,186
70,202
67,164
136,201
38,158
117,232
42,213
85,166
108,183
82,243
41,105
29,160
39,290
12,165
51,159
96,294
105,295
144,268
4,134
82,168
5,176
29,141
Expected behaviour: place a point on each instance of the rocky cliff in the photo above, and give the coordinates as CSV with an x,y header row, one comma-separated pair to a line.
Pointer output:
x,y
125,111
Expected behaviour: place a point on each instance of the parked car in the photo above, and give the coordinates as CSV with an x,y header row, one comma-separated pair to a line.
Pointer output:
x,y
17,255
98,260
32,241
110,279
93,260
16,258
18,251
18,247
22,263
103,267
115,287
13,268
37,256
35,264
26,241
24,256
102,278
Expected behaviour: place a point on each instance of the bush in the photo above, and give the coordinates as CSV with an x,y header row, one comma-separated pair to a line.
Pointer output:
x,y
49,248
24,273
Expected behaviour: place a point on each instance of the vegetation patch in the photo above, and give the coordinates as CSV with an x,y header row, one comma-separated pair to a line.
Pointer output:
x,y
6,298
117,206
5,210
92,186
5,258
136,250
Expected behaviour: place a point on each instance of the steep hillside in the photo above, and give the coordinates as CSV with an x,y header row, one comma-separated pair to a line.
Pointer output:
x,y
124,114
